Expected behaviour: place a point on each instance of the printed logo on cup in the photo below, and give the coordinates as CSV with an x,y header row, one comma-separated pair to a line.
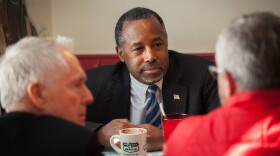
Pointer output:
x,y
130,147
133,142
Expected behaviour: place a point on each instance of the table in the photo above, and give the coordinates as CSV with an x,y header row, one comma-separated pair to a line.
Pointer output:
x,y
111,152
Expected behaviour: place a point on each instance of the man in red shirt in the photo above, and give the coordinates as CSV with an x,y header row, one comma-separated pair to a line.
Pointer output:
x,y
248,73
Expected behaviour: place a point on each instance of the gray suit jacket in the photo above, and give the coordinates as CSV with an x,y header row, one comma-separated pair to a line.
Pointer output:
x,y
187,77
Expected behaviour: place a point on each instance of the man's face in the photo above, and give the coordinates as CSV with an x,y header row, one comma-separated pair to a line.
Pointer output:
x,y
70,96
144,50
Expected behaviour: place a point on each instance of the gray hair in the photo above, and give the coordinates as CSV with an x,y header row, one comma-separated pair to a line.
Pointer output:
x,y
250,50
32,59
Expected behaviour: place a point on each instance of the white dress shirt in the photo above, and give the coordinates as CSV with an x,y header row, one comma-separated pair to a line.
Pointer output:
x,y
138,98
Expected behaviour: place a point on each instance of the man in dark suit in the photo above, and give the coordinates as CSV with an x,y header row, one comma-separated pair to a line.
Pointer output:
x,y
183,82
45,114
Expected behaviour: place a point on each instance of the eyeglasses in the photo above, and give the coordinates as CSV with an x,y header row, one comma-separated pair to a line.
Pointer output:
x,y
215,71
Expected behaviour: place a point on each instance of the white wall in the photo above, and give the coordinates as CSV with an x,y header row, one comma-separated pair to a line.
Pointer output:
x,y
192,25
39,12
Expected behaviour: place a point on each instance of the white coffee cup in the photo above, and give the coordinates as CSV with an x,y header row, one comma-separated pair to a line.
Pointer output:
x,y
133,142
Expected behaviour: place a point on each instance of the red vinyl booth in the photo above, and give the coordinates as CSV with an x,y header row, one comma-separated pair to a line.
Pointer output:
x,y
97,60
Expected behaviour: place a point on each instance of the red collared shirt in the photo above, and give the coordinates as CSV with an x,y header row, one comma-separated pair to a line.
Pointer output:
x,y
248,124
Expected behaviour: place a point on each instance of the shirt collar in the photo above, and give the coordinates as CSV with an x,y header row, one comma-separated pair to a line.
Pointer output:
x,y
258,97
142,86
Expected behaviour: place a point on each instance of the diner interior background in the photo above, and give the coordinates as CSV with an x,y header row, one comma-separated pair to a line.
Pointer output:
x,y
192,25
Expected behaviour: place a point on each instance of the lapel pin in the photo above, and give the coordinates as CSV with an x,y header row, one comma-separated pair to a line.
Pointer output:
x,y
176,97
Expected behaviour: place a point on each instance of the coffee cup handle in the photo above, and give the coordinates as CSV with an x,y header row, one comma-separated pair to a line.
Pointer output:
x,y
116,148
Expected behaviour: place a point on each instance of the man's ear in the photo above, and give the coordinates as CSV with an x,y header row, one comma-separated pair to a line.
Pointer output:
x,y
119,53
35,93
230,83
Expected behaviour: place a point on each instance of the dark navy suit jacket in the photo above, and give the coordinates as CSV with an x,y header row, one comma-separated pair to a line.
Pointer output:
x,y
187,78
31,135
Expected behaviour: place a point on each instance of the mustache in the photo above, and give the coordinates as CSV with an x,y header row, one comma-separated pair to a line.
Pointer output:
x,y
150,65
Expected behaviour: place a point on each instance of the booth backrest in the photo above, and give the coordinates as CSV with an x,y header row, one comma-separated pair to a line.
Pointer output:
x,y
97,60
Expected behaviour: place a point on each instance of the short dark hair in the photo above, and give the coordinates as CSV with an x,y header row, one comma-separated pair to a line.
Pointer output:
x,y
132,15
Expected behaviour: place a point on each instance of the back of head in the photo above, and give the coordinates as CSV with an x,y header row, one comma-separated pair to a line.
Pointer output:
x,y
250,50
132,15
30,60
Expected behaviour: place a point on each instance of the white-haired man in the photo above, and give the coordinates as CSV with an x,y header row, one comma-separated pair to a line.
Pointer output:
x,y
43,92
248,72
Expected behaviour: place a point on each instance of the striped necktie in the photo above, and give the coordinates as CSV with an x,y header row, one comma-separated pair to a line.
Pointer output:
x,y
153,115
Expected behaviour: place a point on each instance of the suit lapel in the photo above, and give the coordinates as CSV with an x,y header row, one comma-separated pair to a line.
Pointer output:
x,y
119,96
175,98
175,95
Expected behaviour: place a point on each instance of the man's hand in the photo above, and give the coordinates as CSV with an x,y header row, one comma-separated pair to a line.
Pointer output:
x,y
104,133
154,137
